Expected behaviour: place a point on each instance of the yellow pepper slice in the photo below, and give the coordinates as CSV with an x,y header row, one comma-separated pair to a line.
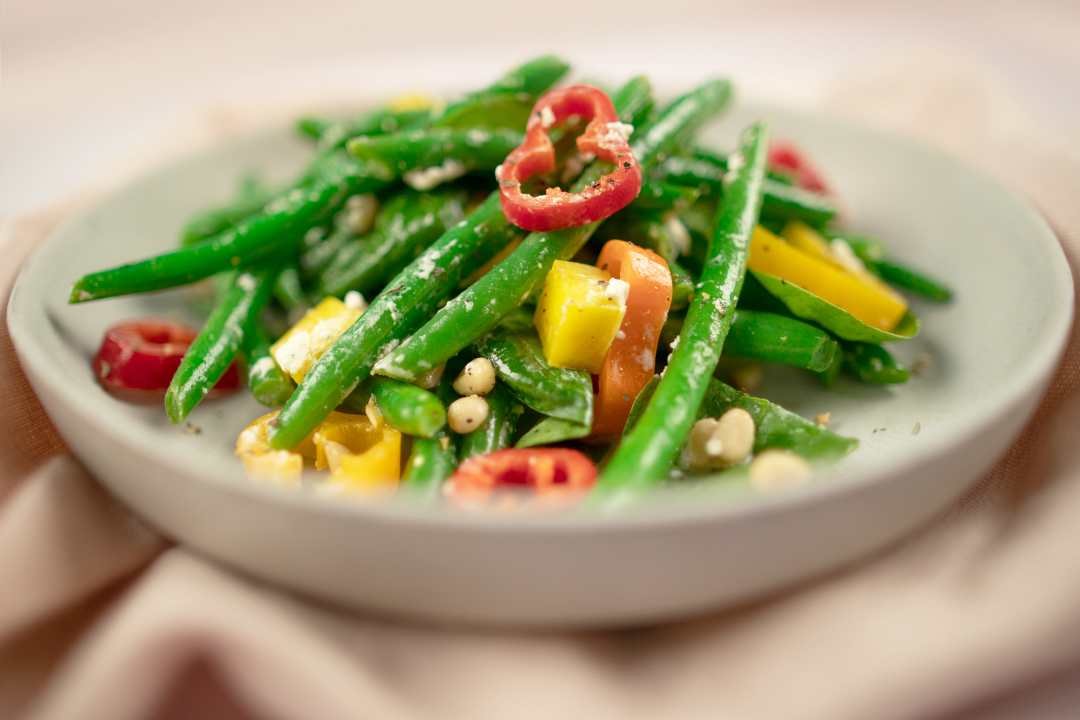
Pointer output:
x,y
579,313
281,466
863,297
305,342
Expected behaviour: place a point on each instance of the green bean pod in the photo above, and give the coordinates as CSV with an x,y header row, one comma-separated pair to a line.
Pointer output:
x,y
780,200
497,432
657,198
289,292
269,384
252,197
405,225
873,364
499,105
482,305
333,134
779,339
281,224
647,452
428,157
514,350
403,306
872,252
433,459
219,340
408,408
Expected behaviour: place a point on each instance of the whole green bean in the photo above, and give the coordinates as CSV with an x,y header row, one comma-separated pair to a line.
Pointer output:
x,y
488,107
409,408
333,134
497,432
218,342
514,350
510,283
779,339
406,224
269,384
873,364
434,459
252,197
780,200
872,252
289,292
406,302
281,224
646,453
428,157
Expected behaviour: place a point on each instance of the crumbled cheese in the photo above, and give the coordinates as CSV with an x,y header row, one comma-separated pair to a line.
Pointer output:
x,y
617,291
360,213
427,178
674,344
477,137
355,301
547,117
246,281
677,233
620,335
263,365
294,352
623,130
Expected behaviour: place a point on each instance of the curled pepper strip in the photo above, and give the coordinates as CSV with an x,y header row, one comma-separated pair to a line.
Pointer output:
x,y
604,137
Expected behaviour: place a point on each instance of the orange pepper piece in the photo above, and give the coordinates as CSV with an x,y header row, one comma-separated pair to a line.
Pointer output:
x,y
631,360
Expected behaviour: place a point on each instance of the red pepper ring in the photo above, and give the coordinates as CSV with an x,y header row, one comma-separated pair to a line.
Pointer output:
x,y
604,136
138,359
521,479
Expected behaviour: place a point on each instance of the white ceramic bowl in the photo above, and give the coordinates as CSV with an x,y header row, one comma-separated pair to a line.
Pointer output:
x,y
993,351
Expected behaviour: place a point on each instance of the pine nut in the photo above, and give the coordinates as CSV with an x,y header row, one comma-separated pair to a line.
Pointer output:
x,y
432,378
466,414
478,378
778,470
735,432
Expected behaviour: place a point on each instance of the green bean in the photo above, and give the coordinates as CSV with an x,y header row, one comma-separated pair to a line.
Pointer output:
x,y
873,364
777,427
872,252
290,293
496,433
217,344
661,197
510,283
281,224
514,350
434,459
768,337
269,384
333,134
552,430
408,408
830,375
645,455
406,224
406,302
252,197
428,157
706,172
489,107
779,339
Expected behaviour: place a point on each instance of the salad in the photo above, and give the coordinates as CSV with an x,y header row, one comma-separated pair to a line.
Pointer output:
x,y
434,314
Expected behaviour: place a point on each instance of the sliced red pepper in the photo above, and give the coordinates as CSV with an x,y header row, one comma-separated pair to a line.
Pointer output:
x,y
604,136
789,158
138,359
521,478
631,360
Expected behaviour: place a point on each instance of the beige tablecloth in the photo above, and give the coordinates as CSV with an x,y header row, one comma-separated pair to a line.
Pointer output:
x,y
101,619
